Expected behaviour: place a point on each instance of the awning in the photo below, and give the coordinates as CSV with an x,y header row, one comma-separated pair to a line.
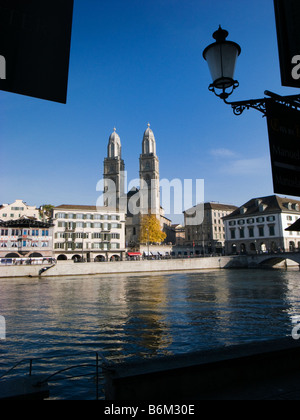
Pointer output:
x,y
294,227
132,254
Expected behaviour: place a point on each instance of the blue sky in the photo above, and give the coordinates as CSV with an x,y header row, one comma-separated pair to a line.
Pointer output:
x,y
139,61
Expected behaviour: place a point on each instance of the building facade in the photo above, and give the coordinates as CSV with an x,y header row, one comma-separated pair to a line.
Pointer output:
x,y
208,237
88,233
17,210
26,238
259,226
175,234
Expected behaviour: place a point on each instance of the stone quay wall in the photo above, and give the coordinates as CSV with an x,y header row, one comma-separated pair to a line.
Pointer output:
x,y
63,268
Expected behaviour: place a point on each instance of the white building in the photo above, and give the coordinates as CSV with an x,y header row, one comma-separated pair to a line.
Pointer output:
x,y
88,233
259,226
17,210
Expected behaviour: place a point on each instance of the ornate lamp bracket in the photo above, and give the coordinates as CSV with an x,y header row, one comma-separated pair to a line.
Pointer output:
x,y
260,104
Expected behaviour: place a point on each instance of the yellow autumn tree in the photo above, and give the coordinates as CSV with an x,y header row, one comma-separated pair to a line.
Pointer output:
x,y
150,230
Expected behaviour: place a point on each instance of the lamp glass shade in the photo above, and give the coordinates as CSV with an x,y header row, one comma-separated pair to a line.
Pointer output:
x,y
221,58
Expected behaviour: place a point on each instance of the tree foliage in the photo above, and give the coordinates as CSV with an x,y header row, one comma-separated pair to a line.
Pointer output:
x,y
150,230
46,211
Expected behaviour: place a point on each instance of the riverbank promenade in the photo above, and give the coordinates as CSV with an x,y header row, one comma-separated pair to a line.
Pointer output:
x,y
70,268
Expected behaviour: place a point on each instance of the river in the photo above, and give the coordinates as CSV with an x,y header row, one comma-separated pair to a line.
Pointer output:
x,y
130,316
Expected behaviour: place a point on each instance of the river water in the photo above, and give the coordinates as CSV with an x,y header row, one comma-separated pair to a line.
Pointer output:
x,y
61,321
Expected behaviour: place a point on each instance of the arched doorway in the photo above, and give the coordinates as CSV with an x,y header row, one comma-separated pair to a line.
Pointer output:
x,y
292,246
233,249
62,257
77,258
35,255
99,258
115,258
12,255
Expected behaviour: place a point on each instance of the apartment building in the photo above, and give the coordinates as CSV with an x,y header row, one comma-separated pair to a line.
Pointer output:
x,y
259,226
208,237
88,233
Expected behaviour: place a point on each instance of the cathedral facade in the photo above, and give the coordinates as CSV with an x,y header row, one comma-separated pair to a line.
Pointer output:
x,y
140,200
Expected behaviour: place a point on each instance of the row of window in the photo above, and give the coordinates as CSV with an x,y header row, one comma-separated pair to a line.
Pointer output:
x,y
11,215
104,226
24,244
87,216
258,220
99,245
252,220
81,235
24,232
251,232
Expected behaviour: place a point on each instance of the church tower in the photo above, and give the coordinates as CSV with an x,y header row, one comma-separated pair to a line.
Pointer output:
x,y
114,168
149,174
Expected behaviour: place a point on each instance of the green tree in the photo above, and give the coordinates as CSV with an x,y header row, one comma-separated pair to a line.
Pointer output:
x,y
46,211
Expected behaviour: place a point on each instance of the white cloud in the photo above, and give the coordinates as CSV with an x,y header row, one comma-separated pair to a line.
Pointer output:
x,y
255,166
223,153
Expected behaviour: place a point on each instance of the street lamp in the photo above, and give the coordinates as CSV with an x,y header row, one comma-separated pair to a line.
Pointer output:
x,y
221,57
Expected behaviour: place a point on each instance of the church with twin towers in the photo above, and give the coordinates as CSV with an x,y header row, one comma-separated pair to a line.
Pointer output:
x,y
140,200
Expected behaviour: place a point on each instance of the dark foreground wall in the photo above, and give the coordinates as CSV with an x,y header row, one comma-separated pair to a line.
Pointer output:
x,y
204,374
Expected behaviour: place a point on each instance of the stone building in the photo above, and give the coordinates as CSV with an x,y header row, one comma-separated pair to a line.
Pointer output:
x,y
140,199
208,237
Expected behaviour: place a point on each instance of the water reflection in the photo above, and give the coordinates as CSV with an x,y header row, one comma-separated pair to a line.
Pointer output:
x,y
128,316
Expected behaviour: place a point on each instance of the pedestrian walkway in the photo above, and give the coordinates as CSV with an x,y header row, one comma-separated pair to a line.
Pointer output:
x,y
268,370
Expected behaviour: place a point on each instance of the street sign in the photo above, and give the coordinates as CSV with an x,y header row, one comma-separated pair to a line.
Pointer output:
x,y
35,38
287,13
284,139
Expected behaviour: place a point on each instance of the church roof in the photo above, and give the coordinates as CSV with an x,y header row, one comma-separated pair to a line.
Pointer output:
x,y
114,137
149,133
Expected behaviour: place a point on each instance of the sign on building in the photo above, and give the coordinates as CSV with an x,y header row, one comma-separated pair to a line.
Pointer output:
x,y
287,14
35,38
284,139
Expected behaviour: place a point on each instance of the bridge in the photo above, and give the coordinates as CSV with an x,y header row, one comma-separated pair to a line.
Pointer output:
x,y
273,259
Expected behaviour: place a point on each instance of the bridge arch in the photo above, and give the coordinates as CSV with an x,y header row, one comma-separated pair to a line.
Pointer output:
x,y
274,259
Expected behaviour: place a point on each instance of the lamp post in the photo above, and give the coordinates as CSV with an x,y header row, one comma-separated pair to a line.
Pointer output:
x,y
221,57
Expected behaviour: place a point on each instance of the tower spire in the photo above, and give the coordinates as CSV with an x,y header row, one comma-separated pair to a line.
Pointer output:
x,y
149,173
